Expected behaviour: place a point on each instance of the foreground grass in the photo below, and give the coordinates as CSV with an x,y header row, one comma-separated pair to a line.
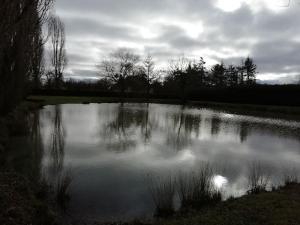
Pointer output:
x,y
246,109
280,207
19,204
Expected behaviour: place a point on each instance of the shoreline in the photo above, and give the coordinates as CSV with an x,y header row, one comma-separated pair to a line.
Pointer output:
x,y
278,207
284,112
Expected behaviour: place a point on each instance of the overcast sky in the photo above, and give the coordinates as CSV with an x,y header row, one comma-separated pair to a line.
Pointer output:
x,y
228,30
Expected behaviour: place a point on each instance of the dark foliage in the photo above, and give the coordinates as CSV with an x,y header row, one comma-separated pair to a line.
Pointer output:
x,y
281,95
21,48
186,80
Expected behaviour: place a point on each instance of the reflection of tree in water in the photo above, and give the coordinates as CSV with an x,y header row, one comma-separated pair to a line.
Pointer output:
x,y
146,127
215,126
58,177
184,127
57,144
242,127
25,152
280,130
120,133
37,144
132,124
244,131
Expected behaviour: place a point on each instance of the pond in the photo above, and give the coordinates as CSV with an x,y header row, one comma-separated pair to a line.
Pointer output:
x,y
111,149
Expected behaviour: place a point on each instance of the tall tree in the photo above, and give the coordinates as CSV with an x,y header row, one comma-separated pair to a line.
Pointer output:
x,y
218,75
119,66
197,74
149,71
241,73
20,26
232,75
179,72
250,70
37,66
200,70
58,50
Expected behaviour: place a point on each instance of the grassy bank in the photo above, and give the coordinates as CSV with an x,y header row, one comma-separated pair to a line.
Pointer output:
x,y
261,110
201,202
279,207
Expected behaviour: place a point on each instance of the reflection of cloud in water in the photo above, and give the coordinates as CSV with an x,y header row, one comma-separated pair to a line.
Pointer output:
x,y
113,145
187,155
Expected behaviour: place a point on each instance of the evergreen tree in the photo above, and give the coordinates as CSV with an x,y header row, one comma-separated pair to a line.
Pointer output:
x,y
250,70
232,75
218,75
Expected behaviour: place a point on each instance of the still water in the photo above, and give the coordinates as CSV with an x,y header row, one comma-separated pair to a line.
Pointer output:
x,y
110,148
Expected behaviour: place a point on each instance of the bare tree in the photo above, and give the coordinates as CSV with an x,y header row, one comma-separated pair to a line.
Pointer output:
x,y
241,74
120,65
179,71
43,8
37,67
58,51
18,11
149,66
180,64
250,69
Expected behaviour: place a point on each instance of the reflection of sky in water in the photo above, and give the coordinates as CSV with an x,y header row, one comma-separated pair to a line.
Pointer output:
x,y
111,147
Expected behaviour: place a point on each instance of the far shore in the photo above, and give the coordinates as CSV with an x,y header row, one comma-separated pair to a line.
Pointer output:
x,y
285,112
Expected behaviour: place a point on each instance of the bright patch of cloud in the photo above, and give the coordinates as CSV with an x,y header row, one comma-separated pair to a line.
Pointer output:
x,y
193,29
229,5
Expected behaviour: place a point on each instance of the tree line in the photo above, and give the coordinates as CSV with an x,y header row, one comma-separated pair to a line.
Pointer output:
x,y
123,70
22,48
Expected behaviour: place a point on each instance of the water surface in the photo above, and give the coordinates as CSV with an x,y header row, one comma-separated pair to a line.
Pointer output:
x,y
110,149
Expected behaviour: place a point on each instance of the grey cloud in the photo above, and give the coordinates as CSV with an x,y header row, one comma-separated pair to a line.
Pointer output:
x,y
292,79
176,37
88,27
132,9
267,36
78,58
82,74
277,56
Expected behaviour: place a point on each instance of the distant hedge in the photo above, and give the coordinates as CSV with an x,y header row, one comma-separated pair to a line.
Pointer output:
x,y
285,95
